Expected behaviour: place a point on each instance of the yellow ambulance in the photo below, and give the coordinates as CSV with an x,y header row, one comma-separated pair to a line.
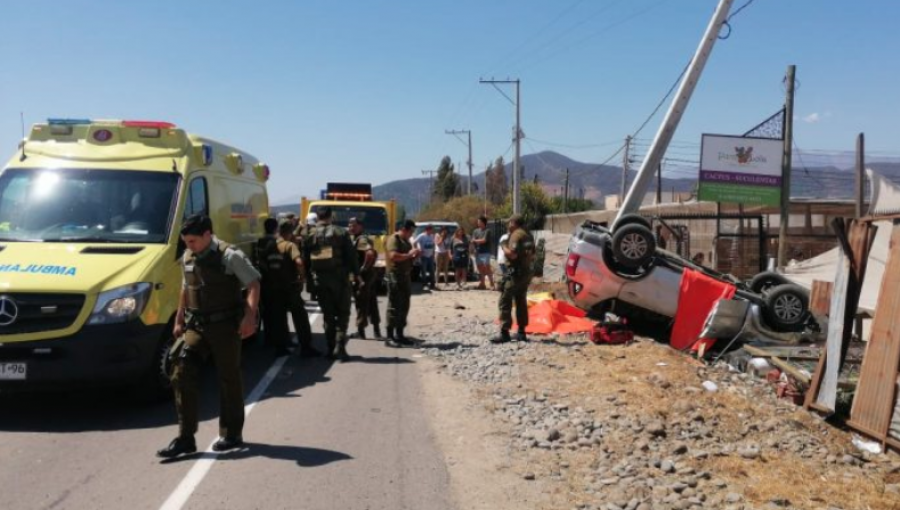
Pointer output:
x,y
89,246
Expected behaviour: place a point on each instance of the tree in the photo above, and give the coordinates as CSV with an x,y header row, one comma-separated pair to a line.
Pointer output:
x,y
497,185
447,182
534,206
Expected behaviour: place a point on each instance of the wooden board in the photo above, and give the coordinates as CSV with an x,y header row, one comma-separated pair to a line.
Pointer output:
x,y
874,400
828,384
820,297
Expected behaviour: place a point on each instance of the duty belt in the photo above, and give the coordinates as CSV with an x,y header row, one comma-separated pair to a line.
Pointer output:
x,y
196,319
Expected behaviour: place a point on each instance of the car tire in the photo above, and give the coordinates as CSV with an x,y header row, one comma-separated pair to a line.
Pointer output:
x,y
630,219
767,280
633,245
787,307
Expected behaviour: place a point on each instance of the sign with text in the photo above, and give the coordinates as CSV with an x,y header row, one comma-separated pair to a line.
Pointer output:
x,y
740,169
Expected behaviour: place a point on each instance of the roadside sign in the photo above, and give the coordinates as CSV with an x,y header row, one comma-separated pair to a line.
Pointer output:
x,y
740,170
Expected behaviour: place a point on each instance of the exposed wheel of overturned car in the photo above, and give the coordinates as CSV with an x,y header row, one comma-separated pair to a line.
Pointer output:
x,y
633,245
787,307
628,219
766,280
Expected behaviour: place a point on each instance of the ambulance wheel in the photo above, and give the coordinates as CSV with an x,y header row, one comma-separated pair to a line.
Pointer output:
x,y
787,307
633,245
157,385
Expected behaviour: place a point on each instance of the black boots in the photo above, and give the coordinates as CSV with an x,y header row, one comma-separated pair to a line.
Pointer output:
x,y
227,443
391,340
377,330
502,338
401,338
181,445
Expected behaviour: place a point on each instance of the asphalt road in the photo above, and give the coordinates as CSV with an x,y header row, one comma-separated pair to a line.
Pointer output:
x,y
322,435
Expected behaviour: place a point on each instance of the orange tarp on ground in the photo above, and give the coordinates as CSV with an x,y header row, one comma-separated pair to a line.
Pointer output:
x,y
696,298
554,316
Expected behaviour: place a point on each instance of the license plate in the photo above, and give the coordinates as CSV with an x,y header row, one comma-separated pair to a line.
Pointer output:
x,y
16,371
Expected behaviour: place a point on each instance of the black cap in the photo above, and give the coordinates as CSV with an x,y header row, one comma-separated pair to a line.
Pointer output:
x,y
409,224
324,213
270,225
286,227
196,225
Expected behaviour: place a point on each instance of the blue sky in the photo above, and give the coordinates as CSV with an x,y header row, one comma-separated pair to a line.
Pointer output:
x,y
363,90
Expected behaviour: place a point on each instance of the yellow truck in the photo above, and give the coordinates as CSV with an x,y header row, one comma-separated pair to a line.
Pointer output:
x,y
89,245
354,200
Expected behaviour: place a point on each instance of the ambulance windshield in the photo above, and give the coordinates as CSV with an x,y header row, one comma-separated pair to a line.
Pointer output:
x,y
373,218
81,205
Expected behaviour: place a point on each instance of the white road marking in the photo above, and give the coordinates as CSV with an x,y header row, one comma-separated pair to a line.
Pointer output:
x,y
201,467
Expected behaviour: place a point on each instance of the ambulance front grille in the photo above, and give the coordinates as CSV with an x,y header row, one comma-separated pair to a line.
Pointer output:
x,y
33,313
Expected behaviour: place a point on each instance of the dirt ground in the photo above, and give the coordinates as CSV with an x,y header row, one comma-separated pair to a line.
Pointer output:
x,y
802,462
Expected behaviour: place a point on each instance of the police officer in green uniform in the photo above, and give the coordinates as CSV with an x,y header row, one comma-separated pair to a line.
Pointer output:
x,y
213,317
399,261
519,251
292,297
331,258
365,293
274,289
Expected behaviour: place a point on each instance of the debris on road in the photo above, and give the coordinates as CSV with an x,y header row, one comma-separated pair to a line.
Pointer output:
x,y
639,431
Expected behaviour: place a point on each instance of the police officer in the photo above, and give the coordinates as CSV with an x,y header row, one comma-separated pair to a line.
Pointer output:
x,y
300,232
212,318
275,273
519,250
292,297
399,261
330,256
365,293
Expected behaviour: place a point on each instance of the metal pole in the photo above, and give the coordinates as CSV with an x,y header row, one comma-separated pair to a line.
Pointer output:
x,y
469,187
517,164
566,194
625,170
659,183
676,110
860,174
786,169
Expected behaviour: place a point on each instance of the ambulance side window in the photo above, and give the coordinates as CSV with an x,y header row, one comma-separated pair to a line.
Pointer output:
x,y
196,202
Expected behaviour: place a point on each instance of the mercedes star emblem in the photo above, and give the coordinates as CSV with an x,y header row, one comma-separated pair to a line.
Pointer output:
x,y
9,311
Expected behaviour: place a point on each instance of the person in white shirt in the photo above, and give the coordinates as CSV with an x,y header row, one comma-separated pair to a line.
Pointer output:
x,y
442,252
424,242
501,255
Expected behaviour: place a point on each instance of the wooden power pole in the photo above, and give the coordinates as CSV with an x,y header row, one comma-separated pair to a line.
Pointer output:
x,y
786,168
860,190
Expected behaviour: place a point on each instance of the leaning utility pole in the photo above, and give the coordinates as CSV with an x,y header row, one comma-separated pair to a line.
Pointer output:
x,y
786,169
625,169
676,110
468,144
517,137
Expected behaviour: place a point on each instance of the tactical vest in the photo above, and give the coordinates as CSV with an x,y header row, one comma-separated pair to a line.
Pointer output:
x,y
274,263
325,247
362,244
524,249
209,289
400,246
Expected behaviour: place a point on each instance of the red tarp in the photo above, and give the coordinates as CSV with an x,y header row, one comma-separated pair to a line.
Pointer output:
x,y
697,297
553,316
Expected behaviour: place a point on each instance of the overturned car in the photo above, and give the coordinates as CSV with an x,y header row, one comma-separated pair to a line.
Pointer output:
x,y
621,271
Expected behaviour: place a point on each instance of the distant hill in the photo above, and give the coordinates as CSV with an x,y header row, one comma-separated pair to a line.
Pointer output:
x,y
590,180
596,181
